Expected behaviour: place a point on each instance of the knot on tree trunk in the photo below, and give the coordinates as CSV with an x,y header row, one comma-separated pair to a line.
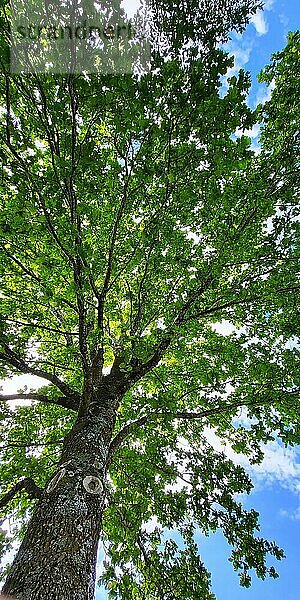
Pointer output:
x,y
92,484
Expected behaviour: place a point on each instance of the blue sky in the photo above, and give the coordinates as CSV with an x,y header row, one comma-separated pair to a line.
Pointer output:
x,y
276,495
264,36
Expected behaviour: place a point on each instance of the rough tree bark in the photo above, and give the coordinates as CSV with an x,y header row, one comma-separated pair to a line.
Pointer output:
x,y
57,558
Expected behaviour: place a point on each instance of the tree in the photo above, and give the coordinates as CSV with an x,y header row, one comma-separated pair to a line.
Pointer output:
x,y
133,221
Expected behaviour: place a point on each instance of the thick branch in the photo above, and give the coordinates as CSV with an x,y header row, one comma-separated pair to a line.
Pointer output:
x,y
163,345
102,296
13,359
26,484
69,403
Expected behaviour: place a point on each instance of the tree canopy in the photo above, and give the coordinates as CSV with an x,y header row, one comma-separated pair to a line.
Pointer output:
x,y
134,218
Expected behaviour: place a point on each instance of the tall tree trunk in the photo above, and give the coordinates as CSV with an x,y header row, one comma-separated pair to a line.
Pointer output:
x,y
57,558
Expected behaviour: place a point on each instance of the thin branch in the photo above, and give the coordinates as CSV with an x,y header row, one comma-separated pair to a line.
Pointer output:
x,y
18,444
28,271
35,185
124,265
56,366
35,325
185,415
183,317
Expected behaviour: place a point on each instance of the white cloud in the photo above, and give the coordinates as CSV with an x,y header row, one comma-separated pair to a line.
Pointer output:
x,y
241,54
264,93
152,524
11,386
224,327
130,7
259,22
252,133
294,515
280,465
268,4
242,418
292,342
240,49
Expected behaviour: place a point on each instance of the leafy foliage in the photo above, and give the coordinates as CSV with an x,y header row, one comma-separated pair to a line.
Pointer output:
x,y
133,221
